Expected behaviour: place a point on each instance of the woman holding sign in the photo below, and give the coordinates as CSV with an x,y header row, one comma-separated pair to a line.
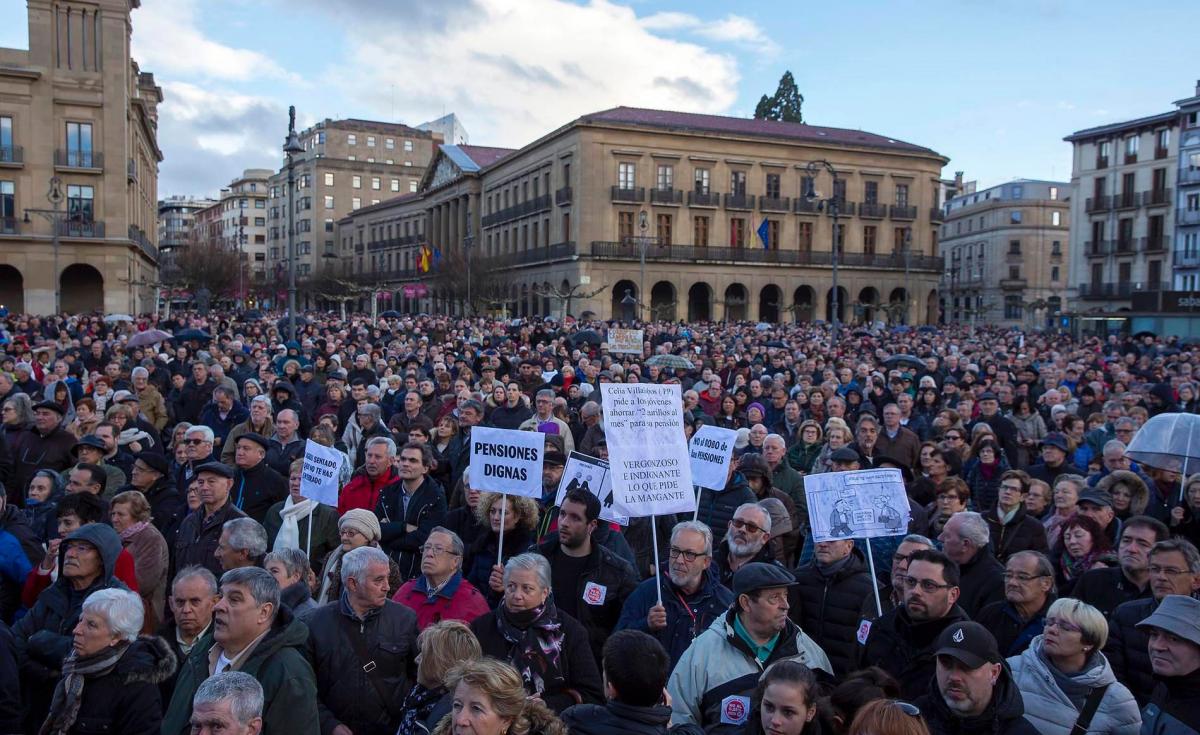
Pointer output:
x,y
520,521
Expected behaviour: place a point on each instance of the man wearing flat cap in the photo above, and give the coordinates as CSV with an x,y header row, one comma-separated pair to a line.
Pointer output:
x,y
713,682
200,532
150,476
256,485
43,446
1174,631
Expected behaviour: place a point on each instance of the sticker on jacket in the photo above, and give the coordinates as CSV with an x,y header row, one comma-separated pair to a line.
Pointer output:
x,y
594,594
735,710
864,630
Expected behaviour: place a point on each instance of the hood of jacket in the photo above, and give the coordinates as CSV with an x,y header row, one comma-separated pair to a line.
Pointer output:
x,y
286,631
101,536
284,385
149,659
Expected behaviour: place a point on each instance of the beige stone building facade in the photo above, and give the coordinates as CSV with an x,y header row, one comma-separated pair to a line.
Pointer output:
x,y
571,213
1005,253
78,139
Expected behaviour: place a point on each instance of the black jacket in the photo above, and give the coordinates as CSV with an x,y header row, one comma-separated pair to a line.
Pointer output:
x,y
615,718
828,608
1005,431
1005,714
1107,589
32,451
1013,635
1126,649
193,398
280,456
127,700
346,695
198,538
1022,533
167,509
1174,707
255,490
426,509
904,648
716,509
604,569
721,562
10,683
981,582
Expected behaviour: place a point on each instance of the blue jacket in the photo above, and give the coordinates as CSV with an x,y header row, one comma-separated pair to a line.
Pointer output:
x,y
683,624
210,416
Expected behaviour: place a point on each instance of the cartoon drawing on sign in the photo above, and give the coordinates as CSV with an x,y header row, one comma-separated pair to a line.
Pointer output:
x,y
591,475
574,483
839,520
888,515
860,504
608,499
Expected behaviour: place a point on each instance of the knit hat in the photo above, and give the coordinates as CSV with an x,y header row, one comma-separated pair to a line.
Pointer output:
x,y
363,521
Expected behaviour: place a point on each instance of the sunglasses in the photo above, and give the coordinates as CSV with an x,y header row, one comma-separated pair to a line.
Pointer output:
x,y
739,524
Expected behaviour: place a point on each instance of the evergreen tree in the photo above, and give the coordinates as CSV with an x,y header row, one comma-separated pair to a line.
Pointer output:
x,y
784,105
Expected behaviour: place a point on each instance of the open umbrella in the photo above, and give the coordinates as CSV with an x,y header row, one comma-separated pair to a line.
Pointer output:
x,y
1144,334
112,318
903,361
927,329
1169,441
588,335
391,314
674,362
860,333
252,315
149,337
775,343
188,335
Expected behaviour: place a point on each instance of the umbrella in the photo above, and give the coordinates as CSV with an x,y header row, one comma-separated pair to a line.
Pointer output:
x,y
148,337
111,318
283,323
763,327
1169,441
675,362
900,329
860,333
775,343
192,334
252,315
391,314
588,335
1146,333
903,361
927,329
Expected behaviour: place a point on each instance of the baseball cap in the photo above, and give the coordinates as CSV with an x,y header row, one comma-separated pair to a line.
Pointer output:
x,y
1178,615
1055,439
970,643
1101,498
760,576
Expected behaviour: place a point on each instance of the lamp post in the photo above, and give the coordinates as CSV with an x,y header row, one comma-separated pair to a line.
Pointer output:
x,y
468,241
292,148
629,303
643,243
831,205
907,280
241,240
54,195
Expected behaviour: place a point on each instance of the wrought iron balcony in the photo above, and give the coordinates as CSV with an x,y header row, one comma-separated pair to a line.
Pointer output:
x,y
562,197
901,212
1185,259
81,228
13,155
139,238
521,209
1122,290
774,204
739,201
703,199
1012,284
872,210
1097,248
88,160
1189,176
666,196
1098,204
631,250
1157,197
636,194
1126,200
936,214
1154,244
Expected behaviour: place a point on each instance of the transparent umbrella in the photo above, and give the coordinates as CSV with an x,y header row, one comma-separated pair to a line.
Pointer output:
x,y
1169,441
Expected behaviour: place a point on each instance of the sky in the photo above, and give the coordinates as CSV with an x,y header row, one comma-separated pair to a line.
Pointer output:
x,y
992,86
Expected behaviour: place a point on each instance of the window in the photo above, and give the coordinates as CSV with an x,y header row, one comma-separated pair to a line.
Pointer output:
x,y
1014,217
376,183
328,224
8,205
370,141
1014,247
329,202
356,182
1056,247
702,179
374,202
1193,202
412,186
737,183
566,226
566,174
6,139
772,234
328,179
79,145
243,203
624,226
1162,143
408,146
356,203
665,180
662,226
351,139
80,200
1054,273
806,236
626,175
773,187
899,239
737,229
1054,193
260,221
901,195
839,191
1056,219
320,138
870,233
700,231
1103,151
1131,149
395,184
1012,307
871,192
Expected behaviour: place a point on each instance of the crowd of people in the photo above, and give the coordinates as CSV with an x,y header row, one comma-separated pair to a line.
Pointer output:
x,y
162,572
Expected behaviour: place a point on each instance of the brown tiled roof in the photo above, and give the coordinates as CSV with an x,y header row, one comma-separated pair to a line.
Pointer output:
x,y
485,155
665,119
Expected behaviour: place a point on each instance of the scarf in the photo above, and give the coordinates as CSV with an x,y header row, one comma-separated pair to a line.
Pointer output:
x,y
535,640
68,695
292,513
134,530
1073,568
417,707
988,471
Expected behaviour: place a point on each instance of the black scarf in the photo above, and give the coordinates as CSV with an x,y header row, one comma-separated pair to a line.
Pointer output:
x,y
535,639
68,695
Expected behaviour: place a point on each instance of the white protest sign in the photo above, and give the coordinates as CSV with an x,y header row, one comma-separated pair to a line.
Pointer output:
x,y
625,340
711,452
593,475
507,461
862,504
319,476
647,450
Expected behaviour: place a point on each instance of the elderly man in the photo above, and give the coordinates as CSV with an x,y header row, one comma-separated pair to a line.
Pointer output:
x,y
896,440
786,479
242,543
1054,460
260,423
367,424
149,476
1174,634
254,634
368,481
361,647
441,592
199,441
692,596
287,445
1003,428
223,413
43,446
1107,588
152,404
746,540
543,404
965,540
90,450
593,429
230,703
191,600
1098,505
409,508
256,486
196,394
200,533
713,682
1028,592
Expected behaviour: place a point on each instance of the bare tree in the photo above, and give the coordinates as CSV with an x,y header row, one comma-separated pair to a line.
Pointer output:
x,y
206,264
565,296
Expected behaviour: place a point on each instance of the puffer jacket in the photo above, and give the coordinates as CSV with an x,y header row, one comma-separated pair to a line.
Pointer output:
x,y
1053,713
1126,649
683,625
829,606
126,700
716,509
1004,715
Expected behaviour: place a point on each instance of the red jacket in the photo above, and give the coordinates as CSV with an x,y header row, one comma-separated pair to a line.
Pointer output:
x,y
456,600
362,492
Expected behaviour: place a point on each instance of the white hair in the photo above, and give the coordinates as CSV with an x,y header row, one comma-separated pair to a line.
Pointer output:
x,y
356,562
973,528
201,429
531,562
244,693
247,534
121,609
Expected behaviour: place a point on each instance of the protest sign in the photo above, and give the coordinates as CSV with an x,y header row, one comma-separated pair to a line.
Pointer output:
x,y
711,451
593,475
625,340
319,476
861,504
507,461
647,451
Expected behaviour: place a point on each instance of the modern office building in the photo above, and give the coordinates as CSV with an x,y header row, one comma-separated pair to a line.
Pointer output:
x,y
176,217
79,162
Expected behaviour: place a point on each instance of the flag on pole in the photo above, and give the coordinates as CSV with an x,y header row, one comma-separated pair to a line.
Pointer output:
x,y
424,262
764,233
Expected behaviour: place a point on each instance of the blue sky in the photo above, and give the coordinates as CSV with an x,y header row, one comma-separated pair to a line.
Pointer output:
x,y
992,85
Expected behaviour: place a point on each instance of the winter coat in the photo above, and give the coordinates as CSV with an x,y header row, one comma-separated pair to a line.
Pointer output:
x,y
167,509
1174,707
904,647
716,509
150,560
1127,647
193,398
325,537
20,552
363,491
605,571
199,535
578,666
277,662
1013,635
984,491
280,456
298,598
457,599
256,489
1004,715
426,508
481,556
32,451
1050,710
828,608
981,582
229,447
210,416
615,718
153,406
346,694
712,684
1023,532
905,447
686,617
724,571
1028,427
1106,589
10,683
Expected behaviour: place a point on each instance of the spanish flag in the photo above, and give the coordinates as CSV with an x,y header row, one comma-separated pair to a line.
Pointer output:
x,y
424,262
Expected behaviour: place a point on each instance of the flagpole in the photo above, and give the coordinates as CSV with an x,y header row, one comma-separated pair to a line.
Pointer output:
x,y
657,560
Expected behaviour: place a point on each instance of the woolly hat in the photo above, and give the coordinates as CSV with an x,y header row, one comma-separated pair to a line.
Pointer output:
x,y
363,521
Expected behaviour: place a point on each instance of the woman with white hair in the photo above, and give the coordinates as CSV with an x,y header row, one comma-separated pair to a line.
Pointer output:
x,y
111,676
1063,676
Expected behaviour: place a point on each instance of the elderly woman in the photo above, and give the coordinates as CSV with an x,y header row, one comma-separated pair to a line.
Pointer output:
x,y
130,515
287,522
803,454
1130,494
837,435
259,423
290,569
520,516
111,675
17,416
550,649
440,647
1084,547
356,528
1063,669
1065,497
943,462
953,496
487,699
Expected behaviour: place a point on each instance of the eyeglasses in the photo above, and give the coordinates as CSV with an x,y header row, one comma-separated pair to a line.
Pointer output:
x,y
195,441
437,550
688,556
1022,577
927,585
1062,625
1016,488
953,438
739,524
948,496
1167,571
909,709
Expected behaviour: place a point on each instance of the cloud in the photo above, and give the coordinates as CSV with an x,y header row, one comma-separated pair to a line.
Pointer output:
x,y
732,28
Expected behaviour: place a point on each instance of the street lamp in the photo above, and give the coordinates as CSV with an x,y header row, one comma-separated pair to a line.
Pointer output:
x,y
54,195
292,148
907,281
643,243
831,205
629,303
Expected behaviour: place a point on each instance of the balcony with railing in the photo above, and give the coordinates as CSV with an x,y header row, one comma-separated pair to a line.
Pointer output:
x,y
703,199
633,194
1189,176
81,228
12,156
1189,217
900,211
1013,284
1156,197
739,201
1123,290
535,205
1158,244
872,210
774,204
562,197
801,205
1101,161
937,215
1126,200
1160,153
666,196
78,160
631,250
139,238
1185,259
1125,245
1098,204
10,226
1097,248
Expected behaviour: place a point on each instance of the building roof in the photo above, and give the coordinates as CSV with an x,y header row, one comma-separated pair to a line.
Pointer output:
x,y
475,157
690,121
1104,131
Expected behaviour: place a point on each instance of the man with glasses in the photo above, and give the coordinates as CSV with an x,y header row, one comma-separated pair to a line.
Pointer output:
x,y
714,680
902,641
745,542
1011,528
692,597
1028,591
199,450
409,508
543,404
441,592
1174,570
1106,589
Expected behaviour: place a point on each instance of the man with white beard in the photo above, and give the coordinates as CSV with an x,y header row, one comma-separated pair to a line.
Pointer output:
x,y
692,598
745,542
